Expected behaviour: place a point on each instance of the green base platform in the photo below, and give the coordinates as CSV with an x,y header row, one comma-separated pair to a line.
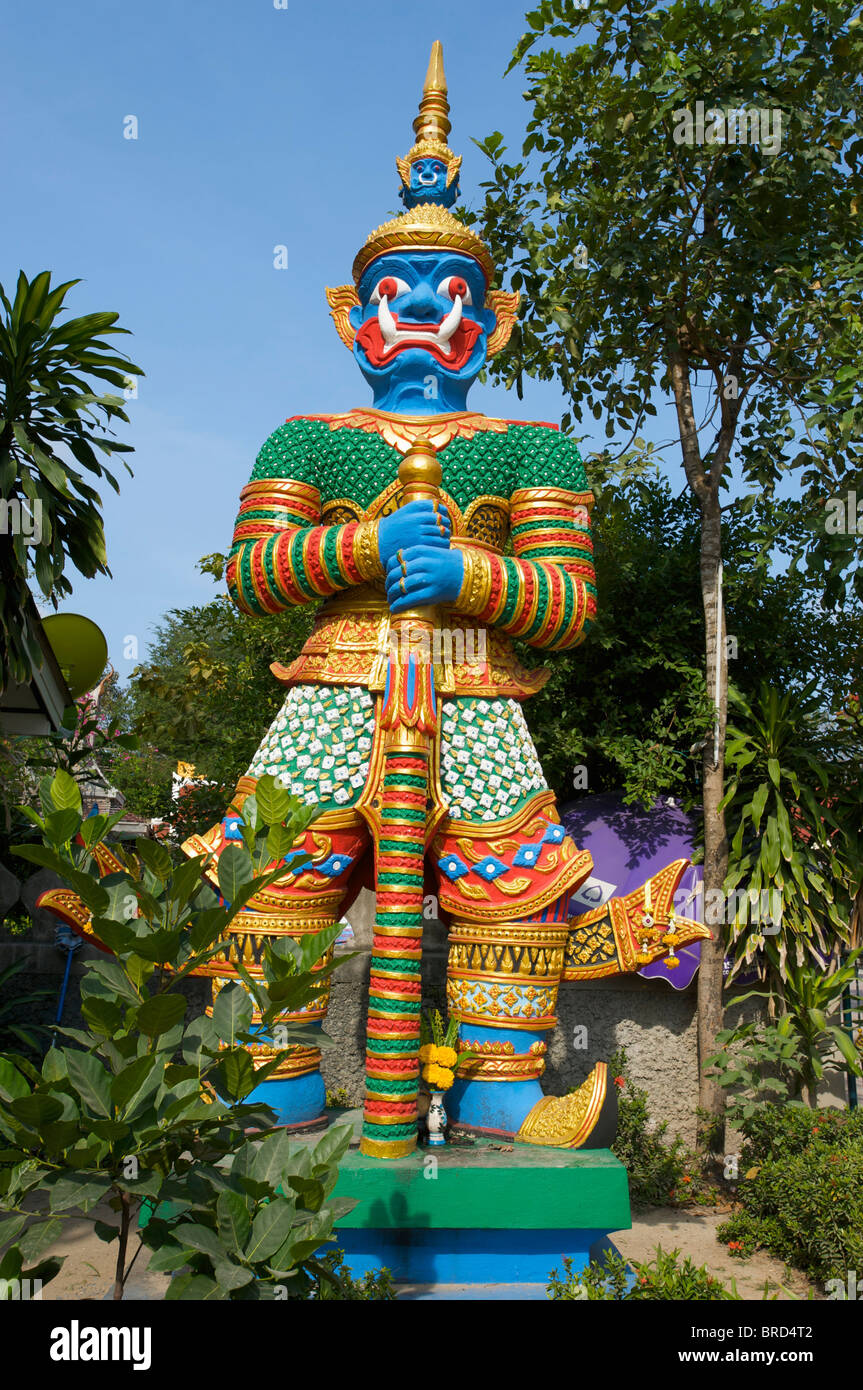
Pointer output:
x,y
487,1214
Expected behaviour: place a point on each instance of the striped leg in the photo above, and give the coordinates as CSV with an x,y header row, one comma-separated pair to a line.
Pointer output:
x,y
295,1090
502,984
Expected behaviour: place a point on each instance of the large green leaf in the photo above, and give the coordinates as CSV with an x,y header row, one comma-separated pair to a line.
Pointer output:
x,y
234,1221
36,1110
848,1050
185,881
232,1012
91,1081
156,857
193,1236
39,1236
65,792
270,1229
305,1240
138,1081
759,800
271,1157
10,1226
332,1146
234,1076
230,1276
161,1013
61,826
200,1035
83,1190
115,979
274,802
193,1288
12,1083
235,871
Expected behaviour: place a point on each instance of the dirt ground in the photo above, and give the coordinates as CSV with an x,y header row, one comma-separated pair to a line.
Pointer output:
x,y
693,1232
89,1269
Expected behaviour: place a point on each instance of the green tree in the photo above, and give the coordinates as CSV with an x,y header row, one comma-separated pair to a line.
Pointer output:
x,y
723,276
794,807
206,696
146,1108
49,408
630,706
94,731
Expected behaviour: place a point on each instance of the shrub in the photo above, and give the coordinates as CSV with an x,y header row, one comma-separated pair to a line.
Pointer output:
x,y
247,1228
335,1281
664,1278
147,1109
802,1189
656,1169
338,1099
775,1131
17,924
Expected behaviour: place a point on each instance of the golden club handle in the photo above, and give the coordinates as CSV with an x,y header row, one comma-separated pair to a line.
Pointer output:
x,y
420,473
420,477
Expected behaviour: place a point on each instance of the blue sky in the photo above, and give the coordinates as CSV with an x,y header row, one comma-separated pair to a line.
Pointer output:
x,y
257,127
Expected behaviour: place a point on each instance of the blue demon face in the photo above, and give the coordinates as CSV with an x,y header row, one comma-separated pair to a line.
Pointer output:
x,y
428,184
422,330
428,175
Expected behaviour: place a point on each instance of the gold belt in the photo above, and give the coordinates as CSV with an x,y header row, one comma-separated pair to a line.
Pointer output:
x,y
349,645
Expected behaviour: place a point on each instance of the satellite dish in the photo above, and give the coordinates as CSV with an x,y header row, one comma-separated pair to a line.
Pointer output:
x,y
80,648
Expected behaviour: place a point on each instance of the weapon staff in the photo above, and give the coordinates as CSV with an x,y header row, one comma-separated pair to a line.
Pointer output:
x,y
409,716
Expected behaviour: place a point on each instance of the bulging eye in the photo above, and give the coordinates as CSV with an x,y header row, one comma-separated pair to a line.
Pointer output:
x,y
454,286
389,288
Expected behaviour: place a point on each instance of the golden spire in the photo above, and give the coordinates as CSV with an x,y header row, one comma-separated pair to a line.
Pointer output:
x,y
431,128
433,121
428,225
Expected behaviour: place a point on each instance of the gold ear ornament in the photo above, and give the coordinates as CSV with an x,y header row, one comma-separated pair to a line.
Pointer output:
x,y
504,304
341,300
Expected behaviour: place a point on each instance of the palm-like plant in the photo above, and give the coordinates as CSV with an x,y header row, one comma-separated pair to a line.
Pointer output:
x,y
763,1060
50,410
790,810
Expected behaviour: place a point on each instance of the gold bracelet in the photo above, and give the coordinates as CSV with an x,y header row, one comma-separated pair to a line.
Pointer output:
x,y
475,589
366,555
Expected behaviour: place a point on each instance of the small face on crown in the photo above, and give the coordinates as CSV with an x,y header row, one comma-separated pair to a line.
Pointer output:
x,y
429,177
428,174
422,312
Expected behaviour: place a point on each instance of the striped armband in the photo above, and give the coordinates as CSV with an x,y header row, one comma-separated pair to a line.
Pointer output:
x,y
280,556
546,594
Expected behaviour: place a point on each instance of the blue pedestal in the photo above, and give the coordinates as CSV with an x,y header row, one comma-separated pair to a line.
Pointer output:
x,y
449,1255
298,1101
495,1107
481,1215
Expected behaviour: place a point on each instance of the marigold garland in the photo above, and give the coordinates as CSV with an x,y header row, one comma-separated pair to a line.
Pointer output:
x,y
439,1078
437,1054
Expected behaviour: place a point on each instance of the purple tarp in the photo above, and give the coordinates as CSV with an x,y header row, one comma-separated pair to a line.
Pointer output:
x,y
628,845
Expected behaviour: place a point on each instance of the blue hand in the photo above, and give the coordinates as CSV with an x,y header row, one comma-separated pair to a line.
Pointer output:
x,y
434,575
414,524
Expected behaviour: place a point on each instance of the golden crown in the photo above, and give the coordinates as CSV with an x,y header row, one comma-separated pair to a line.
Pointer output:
x,y
429,226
